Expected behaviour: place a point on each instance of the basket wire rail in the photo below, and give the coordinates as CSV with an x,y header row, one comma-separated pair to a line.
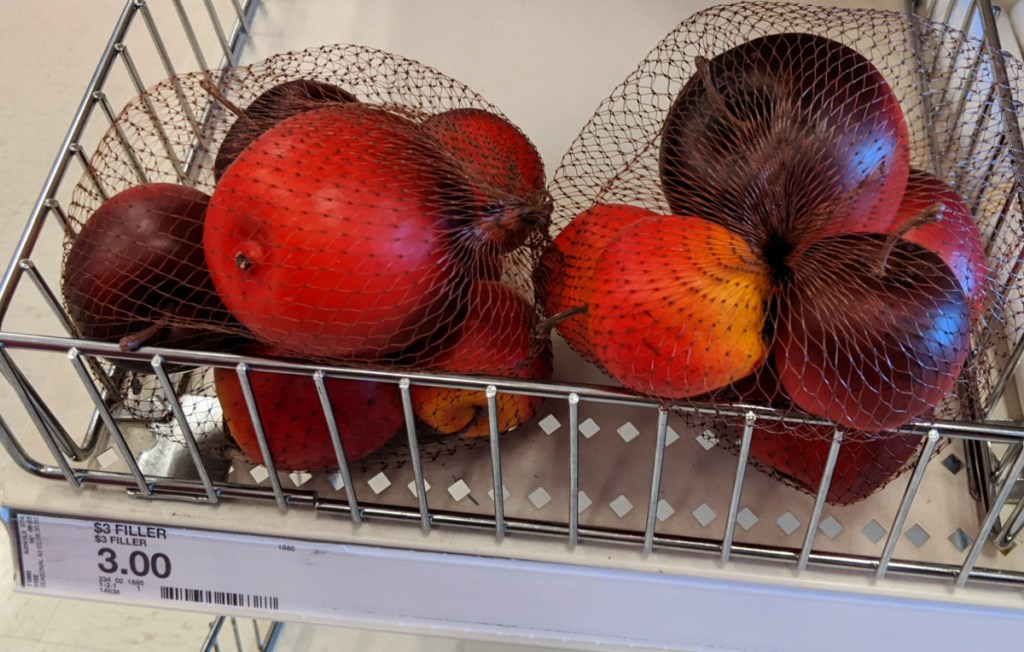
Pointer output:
x,y
994,449
227,634
991,472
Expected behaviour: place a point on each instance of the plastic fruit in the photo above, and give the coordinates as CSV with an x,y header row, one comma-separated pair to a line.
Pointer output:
x,y
368,414
491,148
135,274
270,107
866,462
505,170
797,452
871,332
331,236
678,307
951,232
786,139
495,339
567,266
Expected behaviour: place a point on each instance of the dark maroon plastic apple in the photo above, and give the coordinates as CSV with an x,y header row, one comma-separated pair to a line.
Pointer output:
x,y
786,139
136,274
797,452
269,108
872,331
948,229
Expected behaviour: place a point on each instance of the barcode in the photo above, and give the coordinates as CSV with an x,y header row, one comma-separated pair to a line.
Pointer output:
x,y
227,598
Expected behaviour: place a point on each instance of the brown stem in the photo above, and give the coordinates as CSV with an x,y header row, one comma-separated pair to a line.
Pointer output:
x,y
543,329
929,215
541,204
224,101
242,261
518,214
478,412
715,96
133,341
824,211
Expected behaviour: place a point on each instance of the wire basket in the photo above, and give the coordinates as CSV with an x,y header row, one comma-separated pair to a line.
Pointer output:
x,y
614,159
705,127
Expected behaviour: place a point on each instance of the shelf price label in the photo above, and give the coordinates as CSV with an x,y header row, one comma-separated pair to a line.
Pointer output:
x,y
142,563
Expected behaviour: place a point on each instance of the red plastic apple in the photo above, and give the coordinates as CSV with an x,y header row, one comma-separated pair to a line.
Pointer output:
x,y
270,107
368,414
505,170
496,338
797,452
332,235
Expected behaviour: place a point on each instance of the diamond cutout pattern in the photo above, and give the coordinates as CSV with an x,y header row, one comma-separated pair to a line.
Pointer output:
x,y
671,436
108,458
549,424
412,487
539,497
621,506
337,481
664,510
704,514
874,531
584,502
830,527
961,540
379,483
505,493
788,523
299,478
589,428
917,535
259,473
953,464
746,519
459,490
707,440
628,432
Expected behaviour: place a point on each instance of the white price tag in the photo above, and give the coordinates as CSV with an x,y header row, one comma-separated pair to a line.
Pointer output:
x,y
148,563
463,596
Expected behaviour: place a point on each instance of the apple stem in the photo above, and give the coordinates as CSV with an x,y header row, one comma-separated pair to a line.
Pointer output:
x,y
543,329
714,95
242,262
929,215
224,101
133,341
823,212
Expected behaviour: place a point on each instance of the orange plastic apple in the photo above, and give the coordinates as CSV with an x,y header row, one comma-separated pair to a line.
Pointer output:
x,y
495,339
567,266
678,307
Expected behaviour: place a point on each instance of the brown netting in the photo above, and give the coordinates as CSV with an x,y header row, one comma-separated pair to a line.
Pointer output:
x,y
801,207
338,204
807,208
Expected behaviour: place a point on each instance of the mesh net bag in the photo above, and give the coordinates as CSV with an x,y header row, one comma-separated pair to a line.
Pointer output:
x,y
339,204
803,208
